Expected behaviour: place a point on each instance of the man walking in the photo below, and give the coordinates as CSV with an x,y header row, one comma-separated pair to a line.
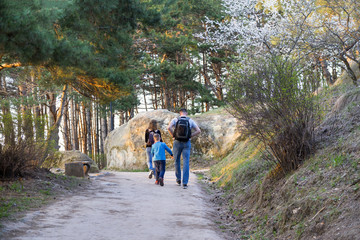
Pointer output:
x,y
180,129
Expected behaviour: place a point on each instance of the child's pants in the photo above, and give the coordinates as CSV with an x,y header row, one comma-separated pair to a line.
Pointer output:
x,y
159,168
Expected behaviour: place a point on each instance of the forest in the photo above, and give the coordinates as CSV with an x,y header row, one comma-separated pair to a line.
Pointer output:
x,y
75,68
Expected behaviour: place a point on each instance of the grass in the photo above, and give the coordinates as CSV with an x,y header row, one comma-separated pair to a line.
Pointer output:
x,y
11,205
337,160
200,176
300,228
21,195
46,192
16,186
240,166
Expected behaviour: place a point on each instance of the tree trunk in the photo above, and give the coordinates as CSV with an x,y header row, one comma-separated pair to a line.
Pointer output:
x,y
131,113
79,124
334,72
27,125
349,69
39,128
84,129
326,73
88,122
53,134
74,128
155,101
65,132
53,120
145,102
69,126
44,116
96,132
166,97
104,131
112,118
19,123
217,69
9,131
122,118
103,134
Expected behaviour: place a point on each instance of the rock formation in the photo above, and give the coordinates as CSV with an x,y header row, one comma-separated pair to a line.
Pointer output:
x,y
125,146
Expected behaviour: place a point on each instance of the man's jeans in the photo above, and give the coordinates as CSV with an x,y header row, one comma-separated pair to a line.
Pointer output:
x,y
148,153
184,149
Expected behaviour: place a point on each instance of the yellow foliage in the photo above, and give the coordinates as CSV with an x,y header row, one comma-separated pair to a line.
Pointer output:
x,y
163,58
58,31
180,26
275,40
89,86
99,88
168,34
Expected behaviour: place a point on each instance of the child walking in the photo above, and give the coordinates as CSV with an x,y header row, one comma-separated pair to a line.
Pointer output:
x,y
159,159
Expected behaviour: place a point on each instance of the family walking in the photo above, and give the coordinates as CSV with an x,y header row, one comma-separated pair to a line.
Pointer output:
x,y
180,129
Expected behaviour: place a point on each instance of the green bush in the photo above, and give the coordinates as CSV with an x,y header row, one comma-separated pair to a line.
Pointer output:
x,y
273,99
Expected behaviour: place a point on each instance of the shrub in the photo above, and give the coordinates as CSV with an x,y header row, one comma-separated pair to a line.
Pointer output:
x,y
16,158
274,102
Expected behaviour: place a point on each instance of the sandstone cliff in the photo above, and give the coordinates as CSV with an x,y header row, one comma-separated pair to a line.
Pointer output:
x,y
125,146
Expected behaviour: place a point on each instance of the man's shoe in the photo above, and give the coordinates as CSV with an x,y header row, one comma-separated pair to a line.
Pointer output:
x,y
178,182
185,186
161,180
151,173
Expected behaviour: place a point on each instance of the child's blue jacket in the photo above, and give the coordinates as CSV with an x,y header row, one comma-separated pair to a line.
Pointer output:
x,y
158,151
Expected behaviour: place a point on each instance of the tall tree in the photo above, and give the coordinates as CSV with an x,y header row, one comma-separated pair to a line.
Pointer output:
x,y
26,35
172,62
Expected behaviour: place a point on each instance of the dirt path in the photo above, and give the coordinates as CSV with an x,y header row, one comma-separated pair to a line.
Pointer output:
x,y
123,205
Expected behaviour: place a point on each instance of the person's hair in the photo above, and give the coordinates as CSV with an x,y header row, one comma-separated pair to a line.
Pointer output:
x,y
153,125
157,136
183,110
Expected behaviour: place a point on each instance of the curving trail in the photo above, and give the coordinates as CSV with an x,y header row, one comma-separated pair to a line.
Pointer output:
x,y
123,205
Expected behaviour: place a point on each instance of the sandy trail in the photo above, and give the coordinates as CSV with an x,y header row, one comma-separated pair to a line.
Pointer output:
x,y
123,205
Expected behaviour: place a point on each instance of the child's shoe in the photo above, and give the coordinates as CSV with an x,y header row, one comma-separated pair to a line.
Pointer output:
x,y
157,182
151,173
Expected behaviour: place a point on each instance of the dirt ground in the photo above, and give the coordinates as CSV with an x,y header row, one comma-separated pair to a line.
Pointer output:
x,y
123,205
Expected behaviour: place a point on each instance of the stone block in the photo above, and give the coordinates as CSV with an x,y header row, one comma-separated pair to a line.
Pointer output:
x,y
75,169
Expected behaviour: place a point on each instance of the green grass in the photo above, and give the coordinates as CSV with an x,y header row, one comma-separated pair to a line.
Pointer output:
x,y
337,160
8,206
16,186
200,176
19,196
300,228
46,192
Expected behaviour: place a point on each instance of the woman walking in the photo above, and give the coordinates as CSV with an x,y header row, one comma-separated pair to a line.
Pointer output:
x,y
149,139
